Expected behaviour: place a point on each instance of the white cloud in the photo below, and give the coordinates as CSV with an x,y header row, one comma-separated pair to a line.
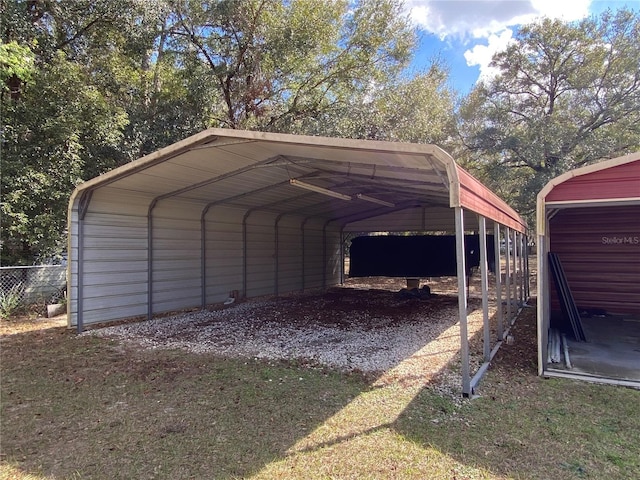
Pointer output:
x,y
482,18
486,26
481,54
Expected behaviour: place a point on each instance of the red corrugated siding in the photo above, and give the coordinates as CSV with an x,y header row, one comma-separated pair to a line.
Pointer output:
x,y
478,198
599,248
622,181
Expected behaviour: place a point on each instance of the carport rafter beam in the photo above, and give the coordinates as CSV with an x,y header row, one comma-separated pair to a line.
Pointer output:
x,y
211,181
355,217
292,161
378,181
443,179
395,185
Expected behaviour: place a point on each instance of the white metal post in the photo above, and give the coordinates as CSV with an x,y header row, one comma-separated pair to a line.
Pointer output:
x,y
498,274
515,270
462,302
522,271
486,342
507,273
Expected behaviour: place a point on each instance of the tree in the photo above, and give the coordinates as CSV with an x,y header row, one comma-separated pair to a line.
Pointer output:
x,y
63,127
418,109
276,63
88,85
567,94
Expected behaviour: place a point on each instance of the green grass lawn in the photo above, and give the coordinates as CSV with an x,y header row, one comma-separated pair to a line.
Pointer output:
x,y
86,407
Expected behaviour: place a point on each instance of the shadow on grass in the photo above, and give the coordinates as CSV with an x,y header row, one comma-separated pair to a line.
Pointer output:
x,y
525,426
90,407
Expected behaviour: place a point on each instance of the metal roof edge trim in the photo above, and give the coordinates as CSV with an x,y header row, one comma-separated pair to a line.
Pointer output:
x,y
336,142
587,169
594,202
470,183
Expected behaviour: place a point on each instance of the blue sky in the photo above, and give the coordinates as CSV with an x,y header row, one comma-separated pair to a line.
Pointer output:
x,y
466,33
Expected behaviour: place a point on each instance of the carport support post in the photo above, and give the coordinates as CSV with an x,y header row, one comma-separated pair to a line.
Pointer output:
x,y
324,255
80,312
498,274
462,302
276,273
152,205
522,274
342,256
486,342
302,248
203,258
543,287
507,273
527,272
83,206
517,287
525,269
244,252
515,269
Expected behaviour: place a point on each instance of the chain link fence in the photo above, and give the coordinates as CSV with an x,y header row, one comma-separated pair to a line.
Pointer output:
x,y
32,287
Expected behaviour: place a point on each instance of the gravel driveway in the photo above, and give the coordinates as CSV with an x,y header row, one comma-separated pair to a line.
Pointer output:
x,y
365,326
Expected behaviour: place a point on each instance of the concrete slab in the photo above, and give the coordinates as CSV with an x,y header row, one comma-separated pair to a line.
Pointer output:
x,y
612,350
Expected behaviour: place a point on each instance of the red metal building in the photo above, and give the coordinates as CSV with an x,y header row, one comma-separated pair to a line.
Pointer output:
x,y
590,219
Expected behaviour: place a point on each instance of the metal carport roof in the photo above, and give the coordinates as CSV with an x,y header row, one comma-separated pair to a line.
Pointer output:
x,y
253,170
115,247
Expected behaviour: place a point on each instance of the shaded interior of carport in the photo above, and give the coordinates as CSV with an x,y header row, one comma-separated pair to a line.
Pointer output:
x,y
589,218
228,212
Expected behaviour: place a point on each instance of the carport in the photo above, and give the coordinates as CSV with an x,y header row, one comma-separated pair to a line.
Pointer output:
x,y
229,213
589,220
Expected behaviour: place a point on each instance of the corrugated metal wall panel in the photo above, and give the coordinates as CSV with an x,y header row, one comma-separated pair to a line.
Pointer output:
x,y
120,288
114,281
117,267
223,226
289,255
260,248
313,254
599,248
98,315
128,302
176,256
72,266
120,203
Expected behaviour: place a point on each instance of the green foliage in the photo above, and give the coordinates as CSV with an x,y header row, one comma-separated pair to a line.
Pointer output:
x,y
568,94
277,63
61,127
382,111
16,62
10,301
103,82
89,85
